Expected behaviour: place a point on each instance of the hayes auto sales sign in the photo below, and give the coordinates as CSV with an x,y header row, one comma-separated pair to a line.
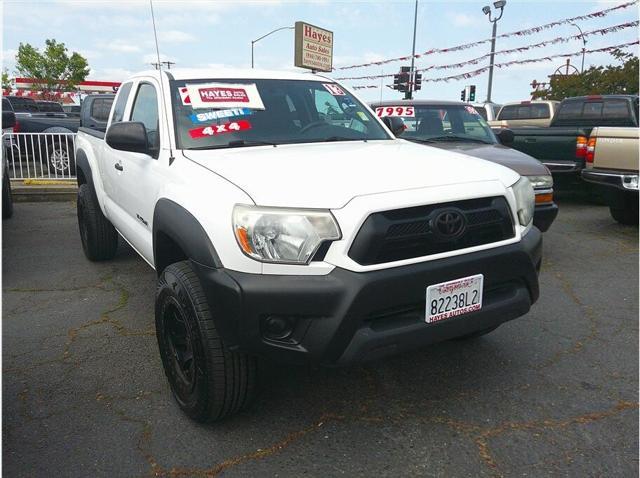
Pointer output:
x,y
314,47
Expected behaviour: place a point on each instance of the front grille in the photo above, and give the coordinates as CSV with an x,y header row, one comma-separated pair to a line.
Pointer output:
x,y
399,234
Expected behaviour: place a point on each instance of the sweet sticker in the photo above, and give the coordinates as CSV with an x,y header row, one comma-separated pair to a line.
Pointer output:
x,y
225,95
334,89
216,129
471,110
383,111
207,116
184,96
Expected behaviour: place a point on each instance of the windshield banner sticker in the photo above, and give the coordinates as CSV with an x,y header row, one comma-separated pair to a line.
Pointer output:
x,y
382,111
211,95
208,116
334,89
472,110
216,129
184,96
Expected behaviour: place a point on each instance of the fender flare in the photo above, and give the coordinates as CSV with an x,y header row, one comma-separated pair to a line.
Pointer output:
x,y
184,229
82,163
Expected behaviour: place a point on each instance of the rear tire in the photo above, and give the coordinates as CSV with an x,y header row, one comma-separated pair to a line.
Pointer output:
x,y
60,159
7,198
208,381
99,237
627,216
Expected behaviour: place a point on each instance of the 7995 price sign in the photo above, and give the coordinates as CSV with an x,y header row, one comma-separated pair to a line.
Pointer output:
x,y
406,111
216,129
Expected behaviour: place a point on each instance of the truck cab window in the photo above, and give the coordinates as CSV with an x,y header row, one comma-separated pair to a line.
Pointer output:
x,y
145,110
121,103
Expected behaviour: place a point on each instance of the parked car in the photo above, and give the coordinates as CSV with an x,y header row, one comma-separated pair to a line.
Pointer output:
x,y
56,144
489,111
537,113
278,230
562,146
455,126
612,164
8,122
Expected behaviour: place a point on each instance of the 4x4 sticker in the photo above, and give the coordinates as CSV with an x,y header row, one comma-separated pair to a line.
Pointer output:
x,y
334,89
225,95
216,129
207,116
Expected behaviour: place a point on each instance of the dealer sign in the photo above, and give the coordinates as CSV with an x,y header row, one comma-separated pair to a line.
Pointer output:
x,y
314,47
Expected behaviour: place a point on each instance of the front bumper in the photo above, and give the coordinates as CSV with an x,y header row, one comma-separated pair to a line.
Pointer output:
x,y
347,317
544,215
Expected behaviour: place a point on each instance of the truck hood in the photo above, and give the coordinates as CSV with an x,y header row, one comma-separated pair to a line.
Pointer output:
x,y
521,163
329,175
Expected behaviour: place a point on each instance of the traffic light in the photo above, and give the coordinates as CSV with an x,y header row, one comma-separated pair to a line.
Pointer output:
x,y
462,95
472,93
401,81
417,82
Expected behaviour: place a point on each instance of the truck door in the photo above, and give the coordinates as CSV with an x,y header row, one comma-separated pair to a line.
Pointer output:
x,y
108,172
139,175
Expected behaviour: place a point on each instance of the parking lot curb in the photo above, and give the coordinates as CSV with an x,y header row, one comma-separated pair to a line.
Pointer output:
x,y
43,190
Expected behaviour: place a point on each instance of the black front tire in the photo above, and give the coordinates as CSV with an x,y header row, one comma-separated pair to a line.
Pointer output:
x,y
7,198
208,381
99,237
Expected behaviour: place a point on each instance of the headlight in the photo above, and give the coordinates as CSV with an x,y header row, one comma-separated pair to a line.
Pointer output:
x,y
541,182
282,235
525,200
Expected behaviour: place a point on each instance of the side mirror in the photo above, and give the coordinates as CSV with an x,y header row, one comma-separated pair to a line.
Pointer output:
x,y
506,136
8,119
395,124
128,136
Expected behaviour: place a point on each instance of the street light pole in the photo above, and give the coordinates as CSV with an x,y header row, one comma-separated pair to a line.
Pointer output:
x,y
487,11
253,42
584,44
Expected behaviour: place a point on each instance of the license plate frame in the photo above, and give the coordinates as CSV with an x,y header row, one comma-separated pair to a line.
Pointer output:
x,y
456,291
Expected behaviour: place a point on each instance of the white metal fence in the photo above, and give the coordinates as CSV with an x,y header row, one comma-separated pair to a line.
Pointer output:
x,y
40,155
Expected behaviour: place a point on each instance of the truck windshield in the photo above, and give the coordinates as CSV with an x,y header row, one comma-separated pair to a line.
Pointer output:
x,y
212,114
441,123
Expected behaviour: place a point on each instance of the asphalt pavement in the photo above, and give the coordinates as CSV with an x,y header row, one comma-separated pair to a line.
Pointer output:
x,y
554,393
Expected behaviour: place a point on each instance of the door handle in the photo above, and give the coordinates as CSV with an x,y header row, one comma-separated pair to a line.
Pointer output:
x,y
530,140
119,167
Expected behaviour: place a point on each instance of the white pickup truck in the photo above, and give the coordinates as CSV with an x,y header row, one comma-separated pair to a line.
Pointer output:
x,y
284,220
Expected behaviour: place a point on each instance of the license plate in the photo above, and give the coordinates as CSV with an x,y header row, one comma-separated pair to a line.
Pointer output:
x,y
453,298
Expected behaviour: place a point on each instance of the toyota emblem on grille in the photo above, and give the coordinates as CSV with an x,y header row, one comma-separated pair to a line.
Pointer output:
x,y
449,224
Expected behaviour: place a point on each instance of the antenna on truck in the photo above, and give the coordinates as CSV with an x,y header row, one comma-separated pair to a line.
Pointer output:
x,y
166,118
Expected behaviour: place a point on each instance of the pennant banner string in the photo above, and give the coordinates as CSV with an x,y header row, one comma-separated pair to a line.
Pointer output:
x,y
474,61
479,71
528,31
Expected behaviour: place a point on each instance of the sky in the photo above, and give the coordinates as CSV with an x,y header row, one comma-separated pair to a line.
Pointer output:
x,y
116,36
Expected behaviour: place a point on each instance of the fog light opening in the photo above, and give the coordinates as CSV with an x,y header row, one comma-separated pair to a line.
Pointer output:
x,y
277,328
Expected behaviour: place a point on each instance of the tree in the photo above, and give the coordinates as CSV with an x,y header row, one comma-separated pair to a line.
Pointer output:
x,y
56,70
597,80
6,81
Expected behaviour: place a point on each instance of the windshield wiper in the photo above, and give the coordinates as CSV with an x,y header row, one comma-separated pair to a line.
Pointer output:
x,y
418,140
331,139
238,143
458,138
